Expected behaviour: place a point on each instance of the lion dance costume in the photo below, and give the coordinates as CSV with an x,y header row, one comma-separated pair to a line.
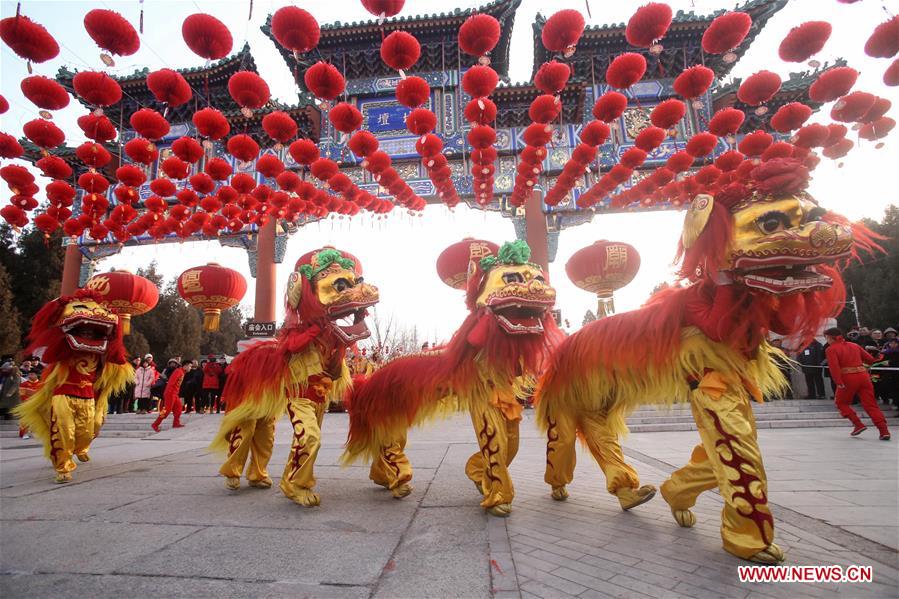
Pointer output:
x,y
487,365
301,372
86,363
757,257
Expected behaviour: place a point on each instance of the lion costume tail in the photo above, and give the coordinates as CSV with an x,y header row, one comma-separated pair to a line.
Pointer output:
x,y
405,392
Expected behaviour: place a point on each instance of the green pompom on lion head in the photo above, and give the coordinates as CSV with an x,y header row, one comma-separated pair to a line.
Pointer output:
x,y
323,260
512,252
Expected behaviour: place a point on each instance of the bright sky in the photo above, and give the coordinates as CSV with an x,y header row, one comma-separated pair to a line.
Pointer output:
x,y
399,253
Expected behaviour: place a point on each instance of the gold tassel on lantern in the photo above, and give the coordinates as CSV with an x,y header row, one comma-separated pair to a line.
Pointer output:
x,y
211,319
606,304
126,323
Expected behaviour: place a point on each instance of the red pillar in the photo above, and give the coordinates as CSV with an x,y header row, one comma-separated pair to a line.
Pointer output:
x,y
265,273
71,270
537,236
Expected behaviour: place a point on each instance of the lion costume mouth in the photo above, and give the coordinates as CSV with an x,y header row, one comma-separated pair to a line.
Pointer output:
x,y
520,316
348,320
783,275
87,333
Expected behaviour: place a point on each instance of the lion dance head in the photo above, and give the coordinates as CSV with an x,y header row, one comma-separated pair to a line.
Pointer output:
x,y
76,324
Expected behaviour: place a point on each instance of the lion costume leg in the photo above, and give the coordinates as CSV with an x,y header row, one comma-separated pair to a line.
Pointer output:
x,y
298,479
561,454
83,411
729,438
621,478
62,437
488,469
253,439
392,469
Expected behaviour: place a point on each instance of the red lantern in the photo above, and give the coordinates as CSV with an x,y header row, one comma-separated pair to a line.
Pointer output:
x,y
759,88
479,81
884,42
206,36
28,39
400,50
648,24
125,294
243,147
187,149
804,41
141,150
212,288
562,31
383,8
211,123
9,146
304,151
248,89
412,92
295,29
345,117
149,123
625,70
790,116
603,268
726,32
552,77
97,88
112,32
726,121
280,126
890,76
44,92
130,175
479,34
324,81
93,154
452,263
43,133
668,113
54,167
701,144
650,138
97,127
169,86
694,81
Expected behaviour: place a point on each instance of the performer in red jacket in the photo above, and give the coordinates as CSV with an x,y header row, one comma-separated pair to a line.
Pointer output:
x,y
172,397
846,362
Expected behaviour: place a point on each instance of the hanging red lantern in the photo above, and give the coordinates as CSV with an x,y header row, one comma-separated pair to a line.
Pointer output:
x,y
112,32
759,87
97,88
304,151
811,136
877,129
345,117
421,121
755,143
603,268
884,42
212,288
295,29
595,133
648,25
54,167
169,87
211,123
668,113
400,50
9,146
43,133
479,81
93,183
383,8
790,116
218,169
324,81
14,215
481,111
650,138
479,34
131,175
562,31
544,108
28,39
163,187
804,41
44,92
206,36
453,262
552,77
280,126
141,150
413,92
269,166
852,107
97,127
726,121
4,105
693,81
243,147
187,149
832,83
46,223
625,70
609,106
701,144
175,168
726,32
248,89
93,154
890,76
149,123
838,149
125,294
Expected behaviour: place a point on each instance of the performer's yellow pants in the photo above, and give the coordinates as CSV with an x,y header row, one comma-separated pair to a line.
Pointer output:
x,y
306,417
561,454
72,429
392,468
488,468
729,458
253,439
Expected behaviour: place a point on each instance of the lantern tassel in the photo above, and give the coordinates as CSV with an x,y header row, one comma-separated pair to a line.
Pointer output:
x,y
605,306
141,17
126,324
211,320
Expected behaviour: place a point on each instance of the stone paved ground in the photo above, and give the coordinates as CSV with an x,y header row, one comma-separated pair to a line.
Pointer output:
x,y
151,518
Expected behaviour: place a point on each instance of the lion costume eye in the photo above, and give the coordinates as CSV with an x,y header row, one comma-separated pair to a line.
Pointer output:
x,y
342,284
772,221
512,277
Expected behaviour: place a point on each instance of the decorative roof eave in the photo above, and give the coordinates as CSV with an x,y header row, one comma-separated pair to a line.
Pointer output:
x,y
683,24
135,84
526,92
334,35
